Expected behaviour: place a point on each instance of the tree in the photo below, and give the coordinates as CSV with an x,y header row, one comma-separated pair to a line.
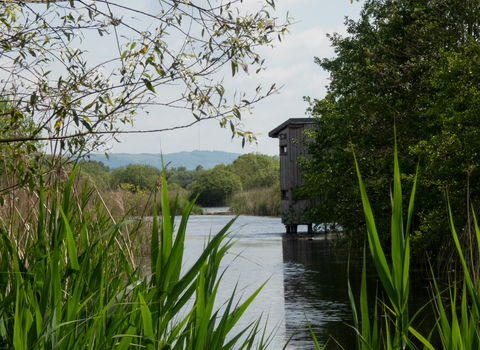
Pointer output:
x,y
80,101
18,158
141,177
214,186
410,64
98,172
256,170
182,176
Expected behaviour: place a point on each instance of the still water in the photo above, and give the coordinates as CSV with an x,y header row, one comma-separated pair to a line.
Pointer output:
x,y
307,279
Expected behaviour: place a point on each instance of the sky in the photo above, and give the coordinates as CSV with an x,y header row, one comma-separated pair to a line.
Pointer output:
x,y
289,64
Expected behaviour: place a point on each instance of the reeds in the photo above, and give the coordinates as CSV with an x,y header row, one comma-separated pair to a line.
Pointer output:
x,y
73,284
457,327
263,201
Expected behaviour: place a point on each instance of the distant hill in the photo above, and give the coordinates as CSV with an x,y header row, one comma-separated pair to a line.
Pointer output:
x,y
190,160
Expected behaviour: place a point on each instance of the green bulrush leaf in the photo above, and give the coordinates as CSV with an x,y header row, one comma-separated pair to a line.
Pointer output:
x,y
71,247
165,267
41,250
420,337
166,233
18,341
126,338
470,285
5,267
182,291
396,281
443,326
179,245
147,323
375,333
36,330
84,235
364,305
154,243
374,242
96,277
398,244
233,319
190,275
317,346
115,229
67,190
411,205
353,307
22,317
203,325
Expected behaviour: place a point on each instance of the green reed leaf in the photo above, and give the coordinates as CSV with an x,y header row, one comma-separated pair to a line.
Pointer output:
x,y
71,247
374,242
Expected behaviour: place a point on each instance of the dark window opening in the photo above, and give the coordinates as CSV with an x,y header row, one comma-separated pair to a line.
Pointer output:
x,y
284,195
283,150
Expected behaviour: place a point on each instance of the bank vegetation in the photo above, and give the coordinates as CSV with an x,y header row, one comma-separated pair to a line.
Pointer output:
x,y
249,185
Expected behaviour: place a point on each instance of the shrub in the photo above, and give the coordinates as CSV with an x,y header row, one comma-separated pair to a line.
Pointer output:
x,y
141,177
215,186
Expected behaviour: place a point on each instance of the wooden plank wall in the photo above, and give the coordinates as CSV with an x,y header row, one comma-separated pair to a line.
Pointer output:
x,y
292,138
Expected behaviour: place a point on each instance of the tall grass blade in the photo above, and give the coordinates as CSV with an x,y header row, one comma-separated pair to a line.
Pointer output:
x,y
411,204
154,243
374,242
317,346
364,305
394,280
147,323
166,233
71,247
353,308
475,297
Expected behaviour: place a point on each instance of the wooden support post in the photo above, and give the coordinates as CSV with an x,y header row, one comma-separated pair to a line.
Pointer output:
x,y
310,228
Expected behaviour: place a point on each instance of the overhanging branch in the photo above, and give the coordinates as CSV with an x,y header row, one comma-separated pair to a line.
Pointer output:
x,y
86,133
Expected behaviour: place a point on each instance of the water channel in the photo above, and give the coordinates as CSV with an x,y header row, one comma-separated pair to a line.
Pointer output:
x,y
307,278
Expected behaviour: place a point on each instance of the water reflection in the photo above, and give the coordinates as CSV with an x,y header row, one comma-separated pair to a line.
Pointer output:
x,y
315,287
307,278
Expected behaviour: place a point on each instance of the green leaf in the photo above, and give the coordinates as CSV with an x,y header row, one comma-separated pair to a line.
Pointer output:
x,y
71,247
374,242
149,85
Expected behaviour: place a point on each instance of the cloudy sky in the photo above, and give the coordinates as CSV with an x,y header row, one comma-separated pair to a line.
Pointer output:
x,y
289,64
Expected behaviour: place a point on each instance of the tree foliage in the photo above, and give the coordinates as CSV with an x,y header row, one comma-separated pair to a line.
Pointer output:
x,y
17,158
248,171
55,73
256,170
183,177
137,177
214,186
97,172
412,64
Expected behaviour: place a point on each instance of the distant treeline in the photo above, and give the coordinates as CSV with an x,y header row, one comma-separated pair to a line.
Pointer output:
x,y
214,187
